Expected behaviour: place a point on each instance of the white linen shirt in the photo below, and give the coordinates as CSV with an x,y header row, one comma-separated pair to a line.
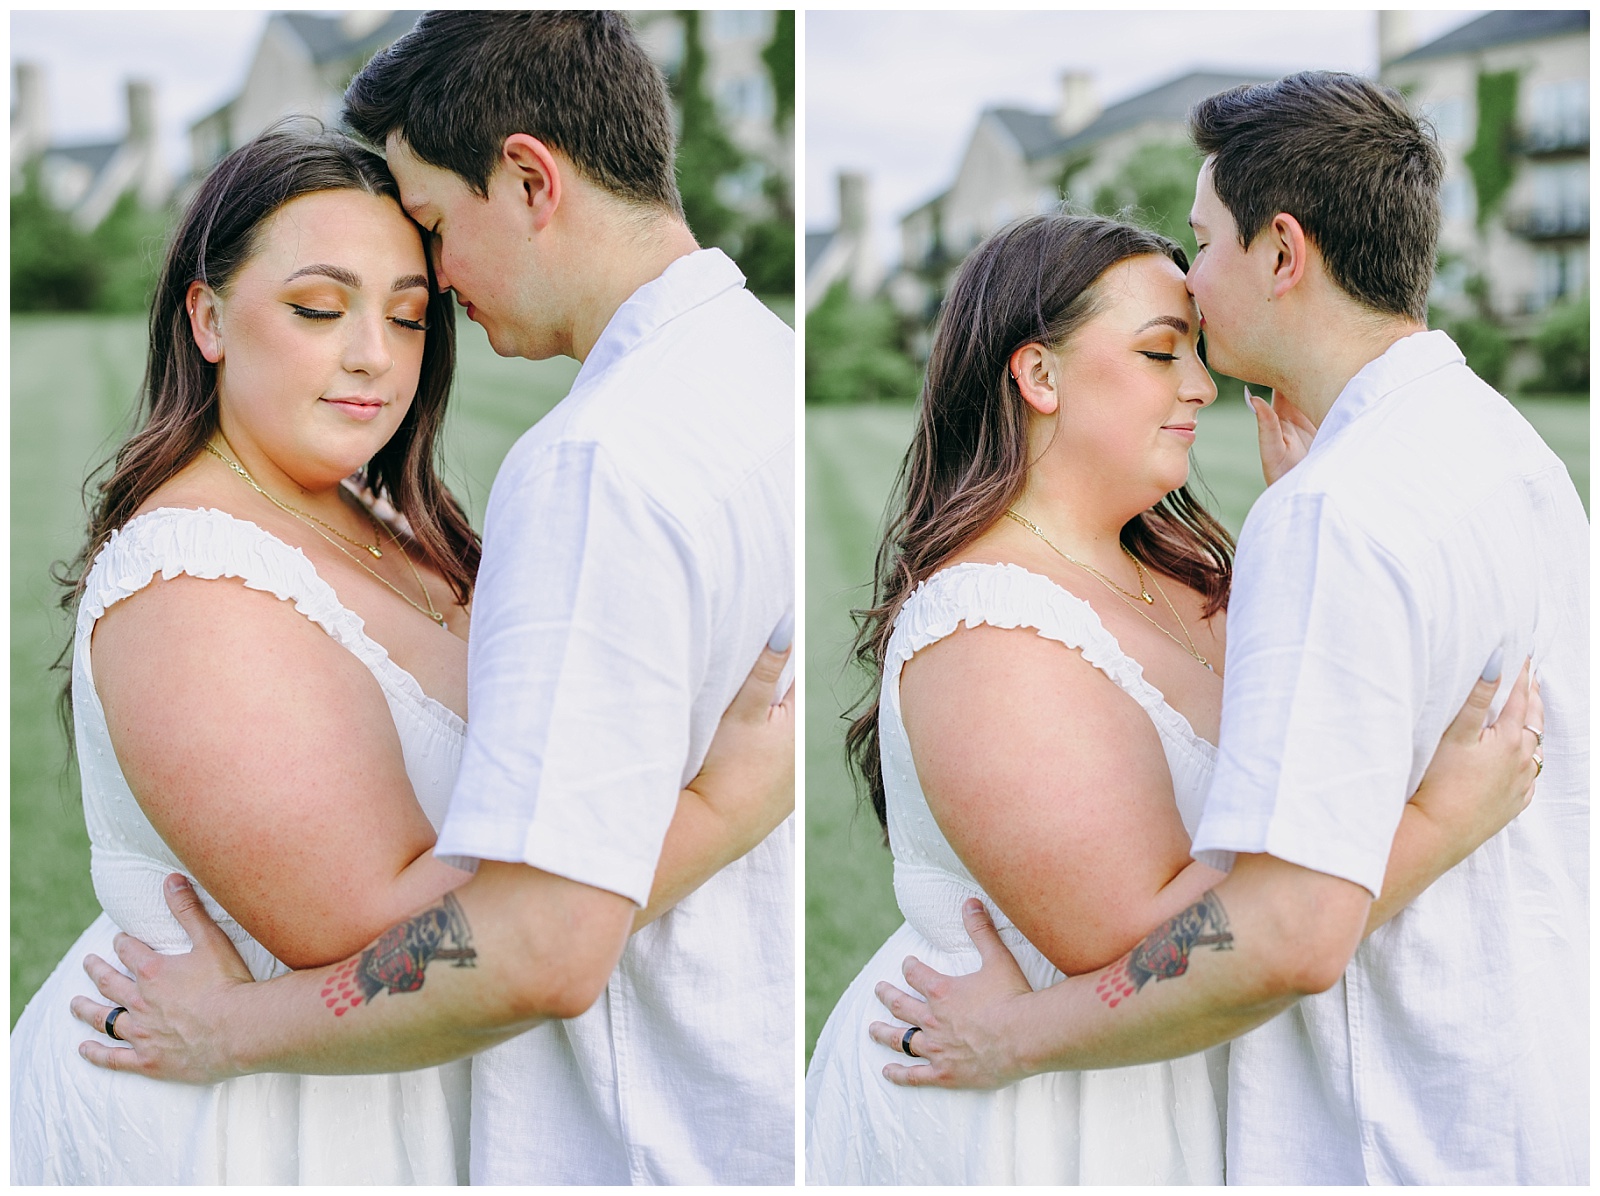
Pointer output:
x,y
1427,525
638,552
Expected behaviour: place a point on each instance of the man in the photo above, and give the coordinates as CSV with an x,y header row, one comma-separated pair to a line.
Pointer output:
x,y
1426,527
638,550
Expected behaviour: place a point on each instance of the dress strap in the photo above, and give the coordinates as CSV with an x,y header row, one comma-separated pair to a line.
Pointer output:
x,y
1009,596
210,544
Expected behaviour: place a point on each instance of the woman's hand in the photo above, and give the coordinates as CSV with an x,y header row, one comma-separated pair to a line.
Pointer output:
x,y
747,778
1482,776
1284,431
743,791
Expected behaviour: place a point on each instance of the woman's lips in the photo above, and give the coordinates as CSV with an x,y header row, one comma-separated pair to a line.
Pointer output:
x,y
361,409
1184,430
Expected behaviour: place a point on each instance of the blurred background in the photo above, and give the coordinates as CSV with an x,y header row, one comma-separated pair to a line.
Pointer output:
x,y
115,117
925,132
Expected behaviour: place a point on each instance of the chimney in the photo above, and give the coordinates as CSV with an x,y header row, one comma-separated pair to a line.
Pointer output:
x,y
1395,37
1079,106
852,202
30,118
141,111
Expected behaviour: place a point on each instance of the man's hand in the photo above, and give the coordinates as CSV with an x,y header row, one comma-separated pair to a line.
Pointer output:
x,y
1284,431
169,999
958,1018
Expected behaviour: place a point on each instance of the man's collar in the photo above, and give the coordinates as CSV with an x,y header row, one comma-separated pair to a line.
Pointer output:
x,y
688,282
1409,358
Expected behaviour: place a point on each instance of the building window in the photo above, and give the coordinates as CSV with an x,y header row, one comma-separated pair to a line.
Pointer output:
x,y
1560,274
1455,199
745,97
1561,197
732,25
1558,114
1449,119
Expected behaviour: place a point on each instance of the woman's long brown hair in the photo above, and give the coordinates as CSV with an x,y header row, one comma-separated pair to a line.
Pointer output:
x,y
177,412
1032,282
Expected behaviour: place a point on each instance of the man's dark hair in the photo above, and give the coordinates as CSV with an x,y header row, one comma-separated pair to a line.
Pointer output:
x,y
1348,160
460,83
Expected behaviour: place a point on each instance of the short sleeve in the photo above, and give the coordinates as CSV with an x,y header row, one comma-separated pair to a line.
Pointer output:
x,y
580,678
1320,697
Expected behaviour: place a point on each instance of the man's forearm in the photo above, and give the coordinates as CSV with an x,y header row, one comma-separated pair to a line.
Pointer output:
x,y
699,844
505,951
1247,950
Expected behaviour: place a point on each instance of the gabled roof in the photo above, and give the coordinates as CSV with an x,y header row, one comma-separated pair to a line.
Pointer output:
x,y
1036,134
817,245
328,40
94,156
1503,28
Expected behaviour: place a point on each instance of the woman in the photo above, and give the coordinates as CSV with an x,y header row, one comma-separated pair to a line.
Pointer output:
x,y
1045,508
269,669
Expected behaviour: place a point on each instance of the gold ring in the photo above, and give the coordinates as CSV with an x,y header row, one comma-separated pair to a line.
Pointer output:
x,y
1538,765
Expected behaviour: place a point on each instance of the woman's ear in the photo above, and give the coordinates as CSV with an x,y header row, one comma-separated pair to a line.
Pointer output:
x,y
1034,371
205,320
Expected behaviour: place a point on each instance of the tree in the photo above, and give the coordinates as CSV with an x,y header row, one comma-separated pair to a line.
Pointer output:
x,y
853,351
1155,189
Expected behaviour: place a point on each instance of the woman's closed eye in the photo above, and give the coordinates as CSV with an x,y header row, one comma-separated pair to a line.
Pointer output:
x,y
1158,356
314,313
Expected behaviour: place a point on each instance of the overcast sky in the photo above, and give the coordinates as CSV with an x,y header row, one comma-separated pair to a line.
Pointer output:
x,y
196,60
892,93
896,94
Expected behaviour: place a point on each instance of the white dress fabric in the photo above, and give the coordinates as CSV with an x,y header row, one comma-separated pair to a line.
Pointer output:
x,y
1158,1123
74,1123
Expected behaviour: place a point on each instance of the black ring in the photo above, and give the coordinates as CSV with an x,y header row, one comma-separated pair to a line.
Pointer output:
x,y
111,1023
905,1043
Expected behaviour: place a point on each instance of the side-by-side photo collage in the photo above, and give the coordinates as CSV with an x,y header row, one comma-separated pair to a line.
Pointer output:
x,y
800,597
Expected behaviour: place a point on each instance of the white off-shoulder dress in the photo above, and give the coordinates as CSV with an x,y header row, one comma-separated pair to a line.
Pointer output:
x,y
74,1123
1159,1123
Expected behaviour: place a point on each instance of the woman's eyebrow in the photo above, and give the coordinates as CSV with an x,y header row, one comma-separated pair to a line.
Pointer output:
x,y
410,281
337,273
1177,322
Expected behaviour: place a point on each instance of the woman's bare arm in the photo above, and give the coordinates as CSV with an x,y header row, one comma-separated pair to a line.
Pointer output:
x,y
1051,785
265,755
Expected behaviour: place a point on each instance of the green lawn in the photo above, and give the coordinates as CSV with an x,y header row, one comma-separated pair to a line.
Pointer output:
x,y
73,382
851,456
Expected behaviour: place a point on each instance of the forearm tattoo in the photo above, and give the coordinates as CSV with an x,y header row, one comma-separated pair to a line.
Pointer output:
x,y
1165,951
397,961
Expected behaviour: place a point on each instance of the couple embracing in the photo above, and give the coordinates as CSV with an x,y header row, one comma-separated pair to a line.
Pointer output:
x,y
1146,796
590,882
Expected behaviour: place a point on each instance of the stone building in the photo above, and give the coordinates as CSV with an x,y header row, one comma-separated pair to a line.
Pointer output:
x,y
1516,192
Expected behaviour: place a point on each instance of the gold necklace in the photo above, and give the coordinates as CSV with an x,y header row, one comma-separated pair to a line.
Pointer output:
x,y
1144,592
281,505
1123,594
312,522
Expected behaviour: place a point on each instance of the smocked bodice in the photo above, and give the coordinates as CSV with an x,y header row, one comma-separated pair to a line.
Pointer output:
x,y
128,858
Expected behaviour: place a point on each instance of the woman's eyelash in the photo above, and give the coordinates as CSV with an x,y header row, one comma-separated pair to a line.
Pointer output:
x,y
414,325
1160,356
313,313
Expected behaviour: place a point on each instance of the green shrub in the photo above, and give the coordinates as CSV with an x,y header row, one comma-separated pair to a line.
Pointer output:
x,y
1563,347
1483,343
853,351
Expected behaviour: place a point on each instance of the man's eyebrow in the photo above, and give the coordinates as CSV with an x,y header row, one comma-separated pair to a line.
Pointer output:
x,y
337,273
409,281
1177,322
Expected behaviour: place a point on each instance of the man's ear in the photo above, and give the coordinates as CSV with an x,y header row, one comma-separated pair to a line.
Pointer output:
x,y
1288,241
535,172
1033,370
205,320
